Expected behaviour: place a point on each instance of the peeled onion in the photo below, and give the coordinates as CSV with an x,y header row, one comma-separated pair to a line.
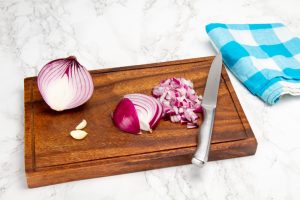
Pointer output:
x,y
65,84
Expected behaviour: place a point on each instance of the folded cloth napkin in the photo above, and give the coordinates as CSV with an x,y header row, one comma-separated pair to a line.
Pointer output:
x,y
264,57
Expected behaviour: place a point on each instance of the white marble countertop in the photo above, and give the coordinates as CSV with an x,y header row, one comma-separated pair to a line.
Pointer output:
x,y
111,33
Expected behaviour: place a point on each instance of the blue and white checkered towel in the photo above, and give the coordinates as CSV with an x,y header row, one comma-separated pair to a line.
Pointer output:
x,y
264,57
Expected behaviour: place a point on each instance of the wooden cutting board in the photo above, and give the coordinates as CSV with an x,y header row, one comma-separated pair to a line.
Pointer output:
x,y
52,156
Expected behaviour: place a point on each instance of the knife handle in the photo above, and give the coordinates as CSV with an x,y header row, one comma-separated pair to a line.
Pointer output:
x,y
204,137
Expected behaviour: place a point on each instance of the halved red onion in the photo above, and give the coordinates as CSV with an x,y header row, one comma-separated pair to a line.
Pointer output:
x,y
179,101
65,84
147,109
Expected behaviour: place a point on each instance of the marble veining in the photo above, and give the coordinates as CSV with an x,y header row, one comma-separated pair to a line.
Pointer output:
x,y
112,33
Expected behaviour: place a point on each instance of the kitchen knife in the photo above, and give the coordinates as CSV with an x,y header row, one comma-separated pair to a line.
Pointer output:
x,y
209,105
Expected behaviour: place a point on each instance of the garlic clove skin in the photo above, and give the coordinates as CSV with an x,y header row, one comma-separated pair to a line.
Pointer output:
x,y
78,134
81,125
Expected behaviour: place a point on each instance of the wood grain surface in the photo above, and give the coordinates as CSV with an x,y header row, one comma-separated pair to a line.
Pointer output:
x,y
52,156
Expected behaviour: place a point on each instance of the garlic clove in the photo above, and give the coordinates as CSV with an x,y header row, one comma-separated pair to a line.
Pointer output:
x,y
78,134
81,125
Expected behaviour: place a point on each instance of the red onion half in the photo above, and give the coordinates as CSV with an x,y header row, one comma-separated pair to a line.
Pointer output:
x,y
65,84
137,112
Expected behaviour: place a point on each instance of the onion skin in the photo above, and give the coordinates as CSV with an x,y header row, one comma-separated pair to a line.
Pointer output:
x,y
125,117
65,84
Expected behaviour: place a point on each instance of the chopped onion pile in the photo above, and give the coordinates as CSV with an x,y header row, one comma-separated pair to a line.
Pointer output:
x,y
65,84
179,101
136,112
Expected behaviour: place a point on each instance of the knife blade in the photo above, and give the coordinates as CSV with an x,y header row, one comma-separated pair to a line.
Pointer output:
x,y
209,105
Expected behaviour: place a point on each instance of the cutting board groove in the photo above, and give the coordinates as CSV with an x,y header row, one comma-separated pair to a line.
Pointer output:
x,y
52,156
